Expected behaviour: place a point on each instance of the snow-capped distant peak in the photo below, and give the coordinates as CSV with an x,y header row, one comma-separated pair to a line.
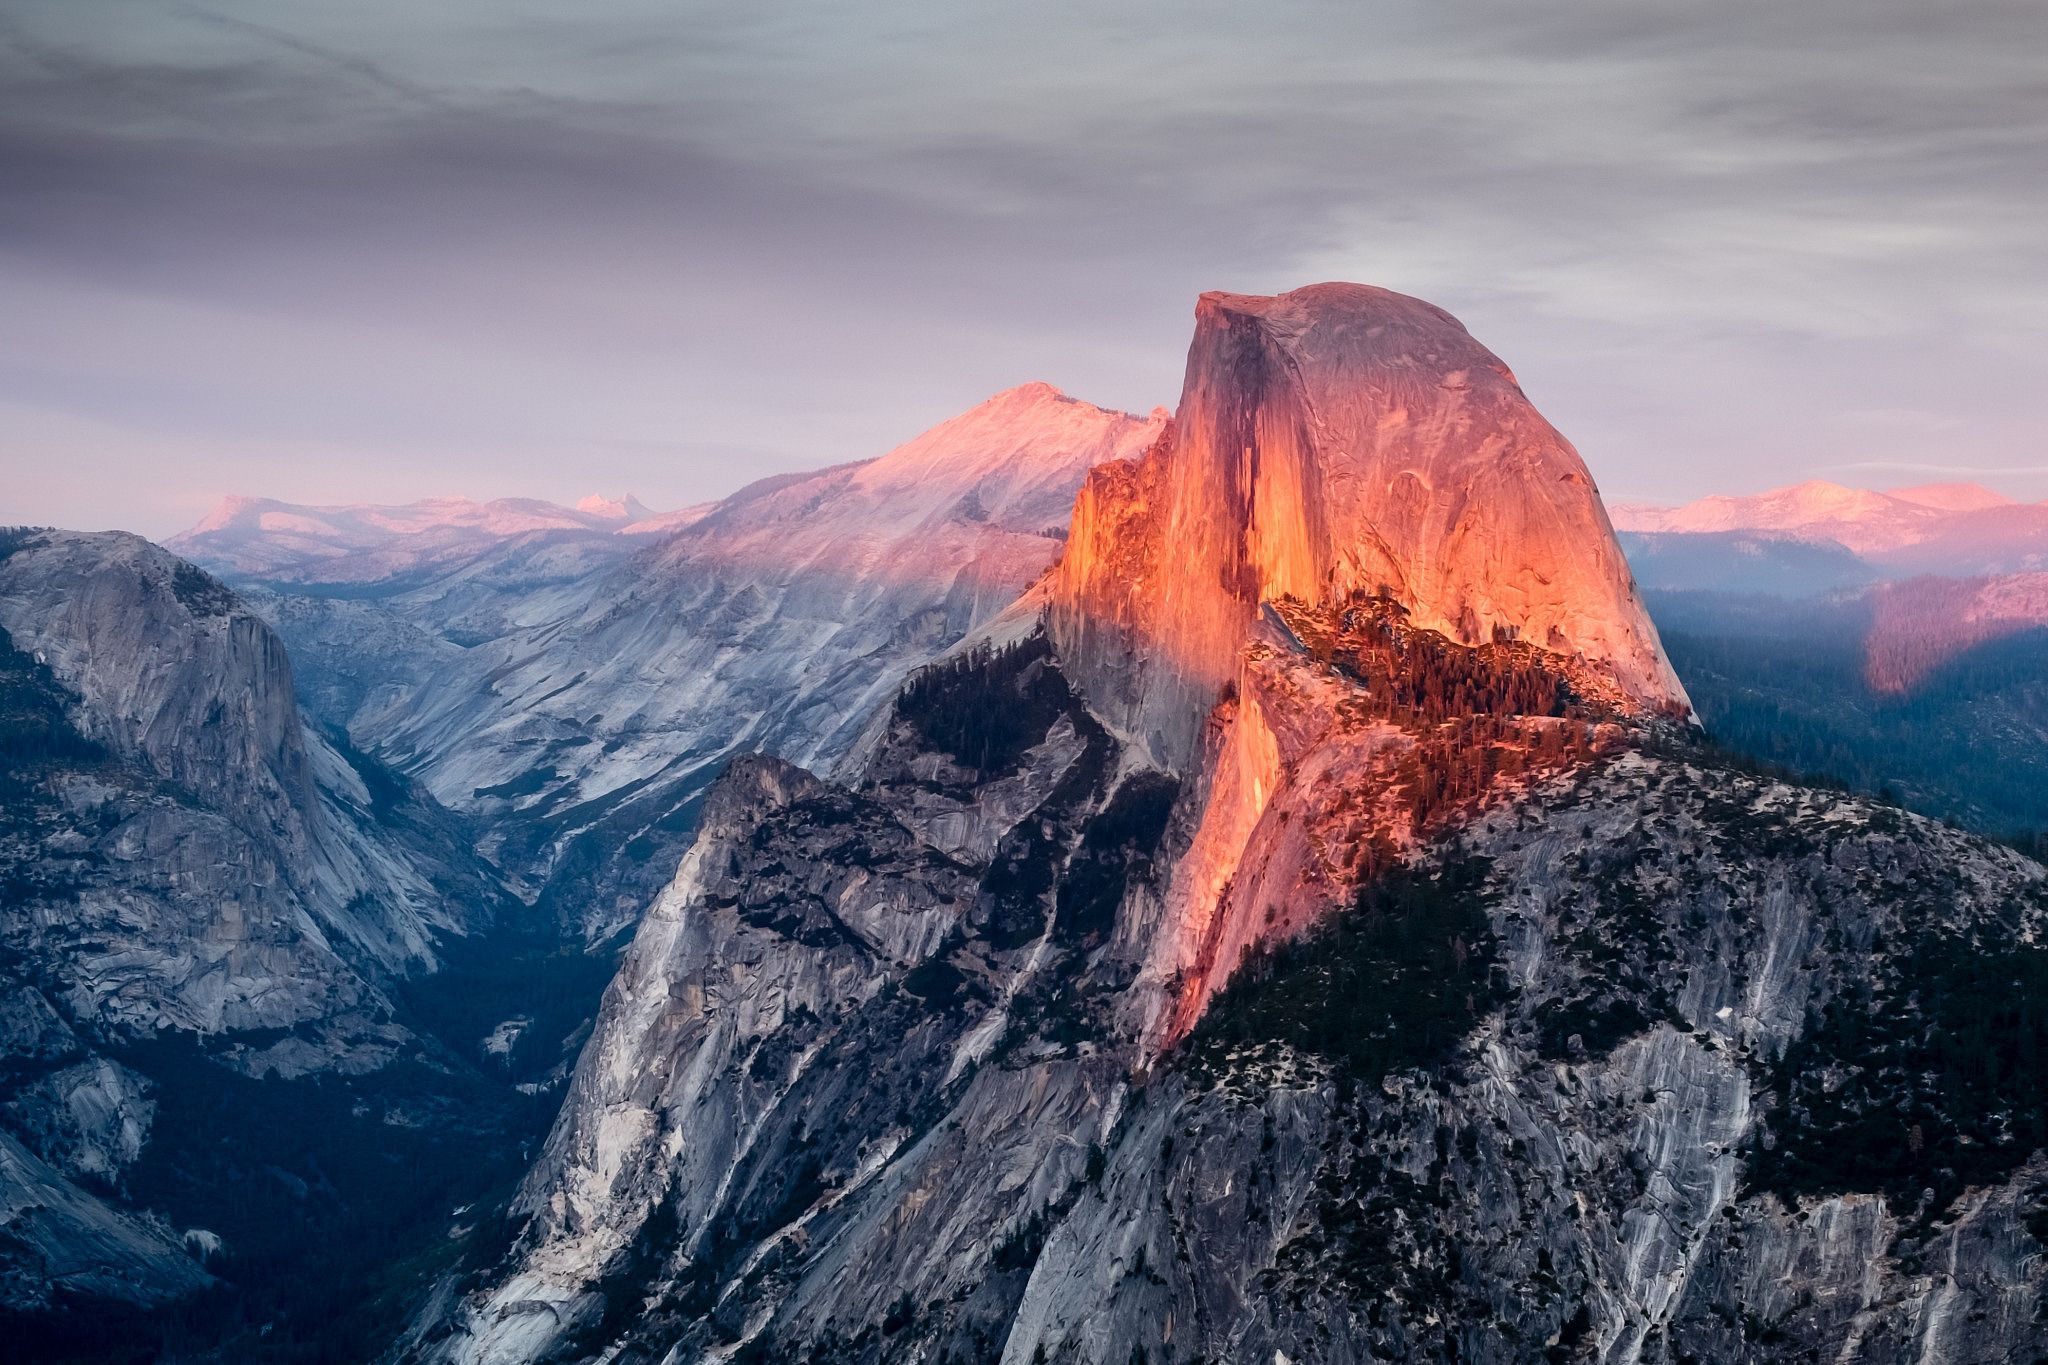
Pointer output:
x,y
1942,527
1810,504
628,508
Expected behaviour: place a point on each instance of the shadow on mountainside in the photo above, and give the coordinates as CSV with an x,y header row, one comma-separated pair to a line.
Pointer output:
x,y
1787,682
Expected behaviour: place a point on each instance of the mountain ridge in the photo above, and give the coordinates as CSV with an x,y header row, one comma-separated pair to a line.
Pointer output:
x,y
362,543
775,622
1262,895
1956,529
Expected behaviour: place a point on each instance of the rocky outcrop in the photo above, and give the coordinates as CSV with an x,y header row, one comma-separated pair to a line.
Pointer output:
x,y
775,623
819,988
189,878
1344,449
1549,1081
1596,1169
57,1239
90,1119
201,861
1332,440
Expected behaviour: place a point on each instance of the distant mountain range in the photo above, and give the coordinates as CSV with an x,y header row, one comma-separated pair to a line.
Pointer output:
x,y
1897,640
255,980
575,680
361,544
1944,528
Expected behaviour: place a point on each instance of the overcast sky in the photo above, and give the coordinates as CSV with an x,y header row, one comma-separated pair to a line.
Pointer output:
x,y
380,250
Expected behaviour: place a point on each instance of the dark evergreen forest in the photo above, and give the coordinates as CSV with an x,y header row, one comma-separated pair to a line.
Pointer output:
x,y
1783,680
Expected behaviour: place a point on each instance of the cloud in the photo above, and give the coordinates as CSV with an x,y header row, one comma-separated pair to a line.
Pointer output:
x,y
517,248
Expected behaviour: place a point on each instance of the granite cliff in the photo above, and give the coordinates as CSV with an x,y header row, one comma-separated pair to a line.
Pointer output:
x,y
1305,925
1333,440
1424,990
182,859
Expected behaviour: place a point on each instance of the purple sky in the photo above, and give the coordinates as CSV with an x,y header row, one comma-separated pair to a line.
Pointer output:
x,y
378,251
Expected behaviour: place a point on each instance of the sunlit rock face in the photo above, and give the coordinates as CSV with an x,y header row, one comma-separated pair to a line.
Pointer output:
x,y
1332,442
775,623
1276,961
1332,439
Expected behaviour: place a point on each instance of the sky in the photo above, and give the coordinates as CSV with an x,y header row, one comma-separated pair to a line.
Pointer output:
x,y
382,250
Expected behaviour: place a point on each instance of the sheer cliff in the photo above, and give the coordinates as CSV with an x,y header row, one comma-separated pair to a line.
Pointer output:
x,y
1331,440
1422,989
1563,1078
195,890
214,865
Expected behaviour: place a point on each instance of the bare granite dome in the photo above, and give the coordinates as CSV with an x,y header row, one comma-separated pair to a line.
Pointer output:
x,y
1331,439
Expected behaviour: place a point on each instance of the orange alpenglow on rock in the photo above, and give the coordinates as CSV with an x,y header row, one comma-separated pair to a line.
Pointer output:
x,y
1337,438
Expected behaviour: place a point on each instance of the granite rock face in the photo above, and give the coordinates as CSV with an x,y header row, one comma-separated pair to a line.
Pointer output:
x,y
1336,439
819,990
90,1119
54,1237
858,1097
215,865
1598,1196
1320,940
180,857
775,623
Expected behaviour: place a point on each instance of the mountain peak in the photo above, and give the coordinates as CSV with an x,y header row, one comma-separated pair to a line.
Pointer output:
x,y
1037,391
1336,439
1020,451
628,508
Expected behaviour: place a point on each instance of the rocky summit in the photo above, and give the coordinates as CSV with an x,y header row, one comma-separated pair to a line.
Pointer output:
x,y
1306,927
1333,440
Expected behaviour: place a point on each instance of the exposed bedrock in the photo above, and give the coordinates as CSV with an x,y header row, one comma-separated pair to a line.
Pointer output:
x,y
1332,439
1320,940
